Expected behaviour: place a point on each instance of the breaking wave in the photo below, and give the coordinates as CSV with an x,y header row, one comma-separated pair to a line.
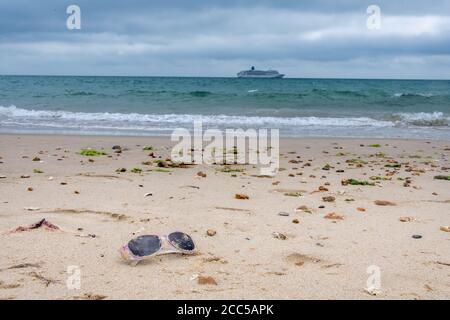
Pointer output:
x,y
60,119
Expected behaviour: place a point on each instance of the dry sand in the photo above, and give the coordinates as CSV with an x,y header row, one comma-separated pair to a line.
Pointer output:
x,y
321,258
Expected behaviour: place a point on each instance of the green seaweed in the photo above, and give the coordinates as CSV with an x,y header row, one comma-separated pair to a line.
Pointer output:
x,y
377,178
121,170
293,194
230,170
161,170
355,182
356,161
136,170
37,171
148,148
375,145
393,165
378,155
91,153
442,178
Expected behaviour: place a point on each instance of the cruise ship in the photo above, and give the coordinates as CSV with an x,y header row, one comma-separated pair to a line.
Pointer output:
x,y
252,73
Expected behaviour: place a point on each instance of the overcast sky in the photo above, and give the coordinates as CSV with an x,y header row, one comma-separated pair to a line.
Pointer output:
x,y
219,38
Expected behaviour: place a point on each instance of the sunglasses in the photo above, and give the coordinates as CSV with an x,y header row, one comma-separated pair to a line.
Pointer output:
x,y
146,246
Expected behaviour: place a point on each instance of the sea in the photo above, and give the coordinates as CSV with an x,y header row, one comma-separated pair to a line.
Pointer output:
x,y
149,106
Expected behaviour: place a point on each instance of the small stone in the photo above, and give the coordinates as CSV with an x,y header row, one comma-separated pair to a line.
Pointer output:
x,y
36,159
163,164
384,203
329,199
30,189
361,209
283,214
2,177
117,147
303,209
296,221
292,194
417,236
334,216
278,235
63,183
406,219
241,196
201,174
211,232
206,280
76,192
445,228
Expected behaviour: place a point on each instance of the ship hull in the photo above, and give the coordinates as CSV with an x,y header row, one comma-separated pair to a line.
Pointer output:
x,y
276,76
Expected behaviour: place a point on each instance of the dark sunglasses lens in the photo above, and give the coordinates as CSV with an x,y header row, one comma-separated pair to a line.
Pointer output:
x,y
181,241
144,245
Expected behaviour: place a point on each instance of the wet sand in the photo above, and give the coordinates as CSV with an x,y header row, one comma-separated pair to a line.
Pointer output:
x,y
320,246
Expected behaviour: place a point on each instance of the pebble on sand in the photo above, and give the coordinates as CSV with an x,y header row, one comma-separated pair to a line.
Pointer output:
x,y
201,174
206,280
241,196
278,235
303,209
211,232
329,199
333,216
384,203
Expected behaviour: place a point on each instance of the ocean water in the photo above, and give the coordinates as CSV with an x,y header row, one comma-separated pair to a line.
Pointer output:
x,y
158,105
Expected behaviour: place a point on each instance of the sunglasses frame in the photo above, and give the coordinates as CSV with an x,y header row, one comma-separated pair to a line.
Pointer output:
x,y
129,256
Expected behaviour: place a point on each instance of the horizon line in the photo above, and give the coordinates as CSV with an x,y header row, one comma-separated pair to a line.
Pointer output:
x,y
221,77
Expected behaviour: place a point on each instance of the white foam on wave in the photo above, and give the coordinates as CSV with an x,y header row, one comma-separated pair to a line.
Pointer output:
x,y
424,119
125,119
405,94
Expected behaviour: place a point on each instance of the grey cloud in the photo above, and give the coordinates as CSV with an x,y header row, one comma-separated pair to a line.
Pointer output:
x,y
180,37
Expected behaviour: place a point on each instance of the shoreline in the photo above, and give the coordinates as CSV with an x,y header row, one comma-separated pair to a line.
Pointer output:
x,y
302,234
167,137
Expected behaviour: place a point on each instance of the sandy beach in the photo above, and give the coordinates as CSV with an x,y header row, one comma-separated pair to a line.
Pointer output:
x,y
310,232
